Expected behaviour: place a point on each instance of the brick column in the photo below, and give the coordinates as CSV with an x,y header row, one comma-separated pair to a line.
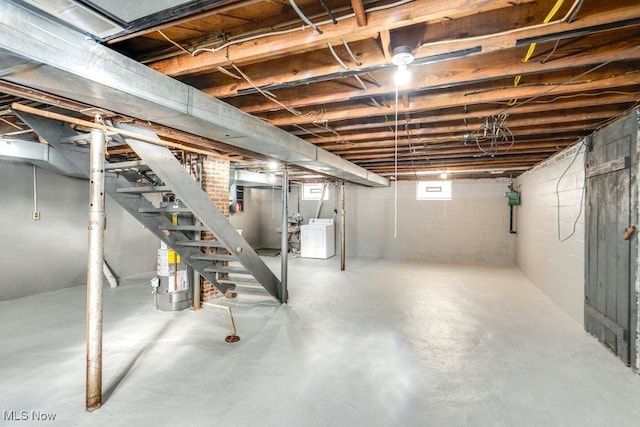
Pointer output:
x,y
215,182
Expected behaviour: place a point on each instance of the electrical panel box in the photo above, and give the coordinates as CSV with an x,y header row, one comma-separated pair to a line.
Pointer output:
x,y
513,198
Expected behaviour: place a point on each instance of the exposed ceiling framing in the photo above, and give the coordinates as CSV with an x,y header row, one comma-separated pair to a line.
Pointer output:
x,y
497,86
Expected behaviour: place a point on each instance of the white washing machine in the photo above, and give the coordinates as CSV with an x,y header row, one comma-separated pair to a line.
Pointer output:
x,y
317,239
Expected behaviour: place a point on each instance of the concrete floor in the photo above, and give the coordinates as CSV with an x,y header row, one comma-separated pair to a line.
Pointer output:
x,y
386,343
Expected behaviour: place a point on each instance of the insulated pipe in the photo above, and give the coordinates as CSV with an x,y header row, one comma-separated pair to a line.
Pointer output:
x,y
94,270
284,244
343,227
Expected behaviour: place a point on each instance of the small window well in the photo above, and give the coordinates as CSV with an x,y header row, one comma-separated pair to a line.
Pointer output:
x,y
314,192
433,190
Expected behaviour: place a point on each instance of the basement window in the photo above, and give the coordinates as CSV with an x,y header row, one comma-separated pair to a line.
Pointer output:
x,y
433,190
314,192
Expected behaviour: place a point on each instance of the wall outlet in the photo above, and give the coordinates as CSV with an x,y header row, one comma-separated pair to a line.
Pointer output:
x,y
35,215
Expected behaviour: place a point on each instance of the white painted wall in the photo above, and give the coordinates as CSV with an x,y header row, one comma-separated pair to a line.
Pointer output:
x,y
471,228
250,220
272,211
49,254
555,267
129,248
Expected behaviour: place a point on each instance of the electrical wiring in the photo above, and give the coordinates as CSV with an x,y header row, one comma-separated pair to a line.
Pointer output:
x,y
575,222
571,80
555,47
550,15
337,58
350,52
324,126
411,152
395,168
532,46
271,97
293,30
304,17
579,95
587,95
307,131
491,135
173,42
228,73
266,94
247,39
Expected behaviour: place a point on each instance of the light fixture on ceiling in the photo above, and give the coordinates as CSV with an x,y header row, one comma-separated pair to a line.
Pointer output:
x,y
402,58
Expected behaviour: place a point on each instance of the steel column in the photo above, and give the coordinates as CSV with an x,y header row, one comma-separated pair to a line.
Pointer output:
x,y
343,227
284,249
94,271
197,235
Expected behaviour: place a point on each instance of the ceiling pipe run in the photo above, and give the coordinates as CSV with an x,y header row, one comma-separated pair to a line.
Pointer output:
x,y
39,53
496,171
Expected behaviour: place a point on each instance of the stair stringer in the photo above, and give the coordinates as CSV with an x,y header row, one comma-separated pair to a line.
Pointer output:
x,y
188,191
54,131
155,224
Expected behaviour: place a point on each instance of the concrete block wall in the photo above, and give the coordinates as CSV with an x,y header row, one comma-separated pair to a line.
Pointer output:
x,y
50,254
129,248
473,227
556,267
215,182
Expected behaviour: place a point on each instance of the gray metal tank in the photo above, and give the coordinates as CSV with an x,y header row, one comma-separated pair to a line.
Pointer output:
x,y
173,289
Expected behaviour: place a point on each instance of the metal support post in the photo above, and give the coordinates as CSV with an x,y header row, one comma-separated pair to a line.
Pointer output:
x,y
284,247
197,284
94,271
343,227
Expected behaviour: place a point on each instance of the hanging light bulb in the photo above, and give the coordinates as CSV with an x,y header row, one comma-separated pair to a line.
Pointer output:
x,y
402,76
402,58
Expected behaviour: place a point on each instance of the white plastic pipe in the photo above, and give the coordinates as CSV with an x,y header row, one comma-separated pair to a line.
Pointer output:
x,y
108,274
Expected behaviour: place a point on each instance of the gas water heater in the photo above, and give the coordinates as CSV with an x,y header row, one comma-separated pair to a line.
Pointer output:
x,y
173,286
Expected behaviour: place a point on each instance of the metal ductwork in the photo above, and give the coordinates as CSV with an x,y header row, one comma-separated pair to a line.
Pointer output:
x,y
40,53
41,155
